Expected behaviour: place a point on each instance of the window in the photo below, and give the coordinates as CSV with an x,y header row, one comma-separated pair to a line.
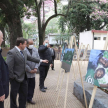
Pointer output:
x,y
104,38
96,38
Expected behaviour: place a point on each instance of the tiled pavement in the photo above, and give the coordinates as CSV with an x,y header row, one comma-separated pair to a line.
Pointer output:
x,y
48,99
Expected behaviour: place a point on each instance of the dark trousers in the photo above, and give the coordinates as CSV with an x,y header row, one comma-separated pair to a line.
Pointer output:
x,y
53,63
31,87
21,88
43,74
1,104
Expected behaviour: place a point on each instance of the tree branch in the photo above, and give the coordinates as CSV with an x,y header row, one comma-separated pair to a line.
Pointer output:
x,y
102,26
53,16
36,3
55,6
40,3
69,3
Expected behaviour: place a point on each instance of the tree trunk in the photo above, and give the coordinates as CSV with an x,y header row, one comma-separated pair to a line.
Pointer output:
x,y
88,23
39,23
41,39
3,31
43,34
42,27
15,29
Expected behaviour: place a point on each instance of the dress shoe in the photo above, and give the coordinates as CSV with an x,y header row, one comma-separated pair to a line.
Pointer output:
x,y
31,102
42,90
53,69
45,87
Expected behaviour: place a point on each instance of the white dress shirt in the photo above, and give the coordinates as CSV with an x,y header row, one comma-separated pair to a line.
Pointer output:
x,y
23,55
17,48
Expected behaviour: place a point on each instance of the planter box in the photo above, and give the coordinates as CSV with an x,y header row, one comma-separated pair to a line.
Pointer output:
x,y
101,98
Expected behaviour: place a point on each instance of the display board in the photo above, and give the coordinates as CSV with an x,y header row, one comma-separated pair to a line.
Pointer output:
x,y
64,46
69,62
97,71
67,59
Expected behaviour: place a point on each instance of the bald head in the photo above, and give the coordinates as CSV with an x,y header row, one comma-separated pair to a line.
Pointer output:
x,y
29,41
1,37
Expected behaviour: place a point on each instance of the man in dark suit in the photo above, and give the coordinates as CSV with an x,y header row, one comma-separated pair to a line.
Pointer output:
x,y
44,53
4,77
53,55
16,60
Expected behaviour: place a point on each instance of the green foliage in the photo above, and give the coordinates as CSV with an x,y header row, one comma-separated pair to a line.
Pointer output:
x,y
2,18
52,27
68,56
29,30
79,17
4,58
21,7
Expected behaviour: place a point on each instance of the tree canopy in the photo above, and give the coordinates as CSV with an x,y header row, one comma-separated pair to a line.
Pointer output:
x,y
11,12
81,16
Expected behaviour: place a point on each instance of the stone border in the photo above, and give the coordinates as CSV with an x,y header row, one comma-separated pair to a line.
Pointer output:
x,y
101,98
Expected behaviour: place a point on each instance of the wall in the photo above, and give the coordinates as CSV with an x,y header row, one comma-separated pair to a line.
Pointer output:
x,y
95,40
101,98
99,44
86,38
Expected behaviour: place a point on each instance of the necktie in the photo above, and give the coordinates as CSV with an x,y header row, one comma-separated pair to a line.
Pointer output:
x,y
22,54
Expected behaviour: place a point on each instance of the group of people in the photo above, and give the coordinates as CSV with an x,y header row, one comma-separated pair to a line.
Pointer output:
x,y
20,68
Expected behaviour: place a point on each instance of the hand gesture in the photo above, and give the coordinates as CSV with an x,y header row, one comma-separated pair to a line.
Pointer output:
x,y
2,98
33,71
45,61
51,65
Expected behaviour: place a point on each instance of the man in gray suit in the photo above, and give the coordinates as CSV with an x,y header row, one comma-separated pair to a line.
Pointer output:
x,y
16,61
31,69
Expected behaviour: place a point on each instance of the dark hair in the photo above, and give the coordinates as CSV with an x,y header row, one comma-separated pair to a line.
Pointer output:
x,y
20,40
102,69
101,55
51,45
101,63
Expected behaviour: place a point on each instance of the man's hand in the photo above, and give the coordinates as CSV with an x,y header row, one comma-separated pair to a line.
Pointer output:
x,y
2,98
33,71
45,61
48,46
51,65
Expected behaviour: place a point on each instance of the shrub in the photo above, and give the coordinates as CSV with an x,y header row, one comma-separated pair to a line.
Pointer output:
x,y
4,58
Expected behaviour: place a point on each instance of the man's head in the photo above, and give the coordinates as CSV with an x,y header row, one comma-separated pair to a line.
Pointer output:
x,y
30,43
1,37
99,73
50,45
21,43
104,62
46,43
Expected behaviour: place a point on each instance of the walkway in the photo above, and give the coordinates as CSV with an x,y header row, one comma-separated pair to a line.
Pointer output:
x,y
48,99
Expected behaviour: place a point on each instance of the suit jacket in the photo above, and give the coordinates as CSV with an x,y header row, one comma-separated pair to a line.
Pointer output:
x,y
4,77
45,53
54,54
31,65
17,64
